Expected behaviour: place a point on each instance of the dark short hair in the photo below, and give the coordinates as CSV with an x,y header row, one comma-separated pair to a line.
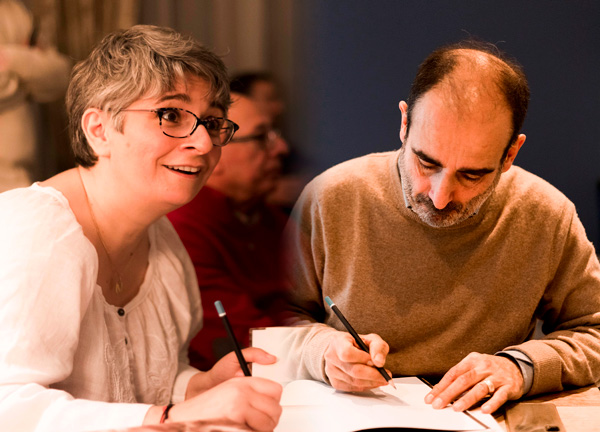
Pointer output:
x,y
242,83
126,65
509,78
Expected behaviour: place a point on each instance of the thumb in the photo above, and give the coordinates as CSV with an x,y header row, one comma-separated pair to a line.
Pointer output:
x,y
258,355
378,349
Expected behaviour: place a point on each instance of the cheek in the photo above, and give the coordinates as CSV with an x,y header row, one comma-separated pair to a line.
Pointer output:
x,y
421,183
214,157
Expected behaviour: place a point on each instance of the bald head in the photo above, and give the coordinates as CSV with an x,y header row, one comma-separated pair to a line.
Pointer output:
x,y
475,79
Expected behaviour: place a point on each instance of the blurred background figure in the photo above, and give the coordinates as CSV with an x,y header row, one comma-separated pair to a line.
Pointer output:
x,y
264,90
233,236
30,73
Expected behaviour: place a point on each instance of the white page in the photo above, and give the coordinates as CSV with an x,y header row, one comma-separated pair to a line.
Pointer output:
x,y
277,341
314,406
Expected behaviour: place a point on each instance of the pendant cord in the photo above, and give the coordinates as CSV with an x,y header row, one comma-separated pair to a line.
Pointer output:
x,y
113,269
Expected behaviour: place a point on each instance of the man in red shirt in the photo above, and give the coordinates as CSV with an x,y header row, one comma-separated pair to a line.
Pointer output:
x,y
233,236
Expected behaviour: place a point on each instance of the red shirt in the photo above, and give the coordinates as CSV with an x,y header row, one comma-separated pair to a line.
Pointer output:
x,y
238,261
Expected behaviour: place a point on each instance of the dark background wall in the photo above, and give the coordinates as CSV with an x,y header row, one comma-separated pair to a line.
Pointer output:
x,y
355,60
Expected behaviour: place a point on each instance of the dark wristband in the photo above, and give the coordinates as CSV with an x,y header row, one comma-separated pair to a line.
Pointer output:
x,y
165,414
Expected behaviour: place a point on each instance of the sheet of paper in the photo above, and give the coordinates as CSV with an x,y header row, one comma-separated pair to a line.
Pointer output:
x,y
315,406
277,341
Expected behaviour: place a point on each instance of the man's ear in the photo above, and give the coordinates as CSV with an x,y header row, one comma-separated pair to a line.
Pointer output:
x,y
512,152
94,123
404,110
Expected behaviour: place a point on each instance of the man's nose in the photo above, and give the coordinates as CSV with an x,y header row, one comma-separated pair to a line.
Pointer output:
x,y
279,146
442,190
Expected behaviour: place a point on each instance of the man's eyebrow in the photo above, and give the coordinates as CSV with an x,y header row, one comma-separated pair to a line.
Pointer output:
x,y
471,171
426,158
175,96
476,172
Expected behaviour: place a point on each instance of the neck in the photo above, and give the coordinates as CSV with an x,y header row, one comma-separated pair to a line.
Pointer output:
x,y
122,220
122,247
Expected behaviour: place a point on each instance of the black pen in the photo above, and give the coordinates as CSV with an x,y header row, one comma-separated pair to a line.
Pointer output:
x,y
236,346
357,338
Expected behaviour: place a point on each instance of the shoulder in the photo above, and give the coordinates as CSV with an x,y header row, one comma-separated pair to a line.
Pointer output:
x,y
368,172
43,248
527,191
207,208
37,212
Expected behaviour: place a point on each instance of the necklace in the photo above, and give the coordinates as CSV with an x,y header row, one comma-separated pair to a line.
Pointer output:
x,y
113,269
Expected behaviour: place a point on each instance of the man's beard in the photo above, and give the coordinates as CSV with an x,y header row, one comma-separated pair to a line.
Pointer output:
x,y
453,214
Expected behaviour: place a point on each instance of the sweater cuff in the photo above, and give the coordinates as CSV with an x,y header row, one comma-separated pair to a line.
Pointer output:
x,y
312,351
547,370
524,364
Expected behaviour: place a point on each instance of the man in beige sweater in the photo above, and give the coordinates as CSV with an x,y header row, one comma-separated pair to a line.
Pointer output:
x,y
444,255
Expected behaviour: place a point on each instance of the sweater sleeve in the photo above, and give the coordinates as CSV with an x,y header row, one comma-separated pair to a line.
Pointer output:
x,y
47,276
306,248
569,353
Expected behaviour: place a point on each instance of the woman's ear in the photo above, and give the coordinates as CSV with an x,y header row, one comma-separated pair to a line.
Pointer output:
x,y
94,123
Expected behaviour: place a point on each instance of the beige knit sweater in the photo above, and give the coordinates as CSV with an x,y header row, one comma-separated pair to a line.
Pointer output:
x,y
437,294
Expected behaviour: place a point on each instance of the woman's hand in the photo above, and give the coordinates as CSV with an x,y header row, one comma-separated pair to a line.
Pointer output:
x,y
226,368
246,402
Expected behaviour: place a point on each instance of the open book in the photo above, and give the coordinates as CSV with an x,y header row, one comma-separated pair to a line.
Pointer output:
x,y
312,406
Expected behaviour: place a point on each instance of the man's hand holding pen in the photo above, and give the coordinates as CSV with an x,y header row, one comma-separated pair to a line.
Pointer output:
x,y
351,369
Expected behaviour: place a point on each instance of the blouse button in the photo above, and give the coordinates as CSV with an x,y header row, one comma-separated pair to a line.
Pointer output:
x,y
121,311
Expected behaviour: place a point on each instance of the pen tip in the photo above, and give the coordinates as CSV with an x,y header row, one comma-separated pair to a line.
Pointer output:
x,y
220,308
328,301
390,382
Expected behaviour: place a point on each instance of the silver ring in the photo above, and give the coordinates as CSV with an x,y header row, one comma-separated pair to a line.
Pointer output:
x,y
489,384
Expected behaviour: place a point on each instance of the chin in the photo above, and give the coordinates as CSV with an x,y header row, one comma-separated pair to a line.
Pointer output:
x,y
181,198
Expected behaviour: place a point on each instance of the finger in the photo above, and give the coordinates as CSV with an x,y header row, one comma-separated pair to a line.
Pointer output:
x,y
259,421
440,397
265,386
347,351
266,412
257,355
470,398
378,348
360,378
464,373
362,372
498,399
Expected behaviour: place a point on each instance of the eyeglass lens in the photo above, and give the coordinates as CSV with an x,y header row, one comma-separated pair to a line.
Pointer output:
x,y
179,123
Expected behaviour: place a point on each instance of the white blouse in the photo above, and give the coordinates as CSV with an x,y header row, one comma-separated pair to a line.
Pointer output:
x,y
68,359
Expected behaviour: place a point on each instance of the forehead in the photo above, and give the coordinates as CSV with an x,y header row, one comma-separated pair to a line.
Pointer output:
x,y
471,131
188,89
247,115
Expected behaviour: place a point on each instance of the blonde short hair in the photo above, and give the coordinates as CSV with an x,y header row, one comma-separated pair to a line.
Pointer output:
x,y
142,61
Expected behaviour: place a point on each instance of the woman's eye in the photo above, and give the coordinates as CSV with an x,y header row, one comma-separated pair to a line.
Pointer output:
x,y
171,116
212,124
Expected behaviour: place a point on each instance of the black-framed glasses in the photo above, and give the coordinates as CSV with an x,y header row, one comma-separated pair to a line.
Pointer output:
x,y
181,123
266,139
